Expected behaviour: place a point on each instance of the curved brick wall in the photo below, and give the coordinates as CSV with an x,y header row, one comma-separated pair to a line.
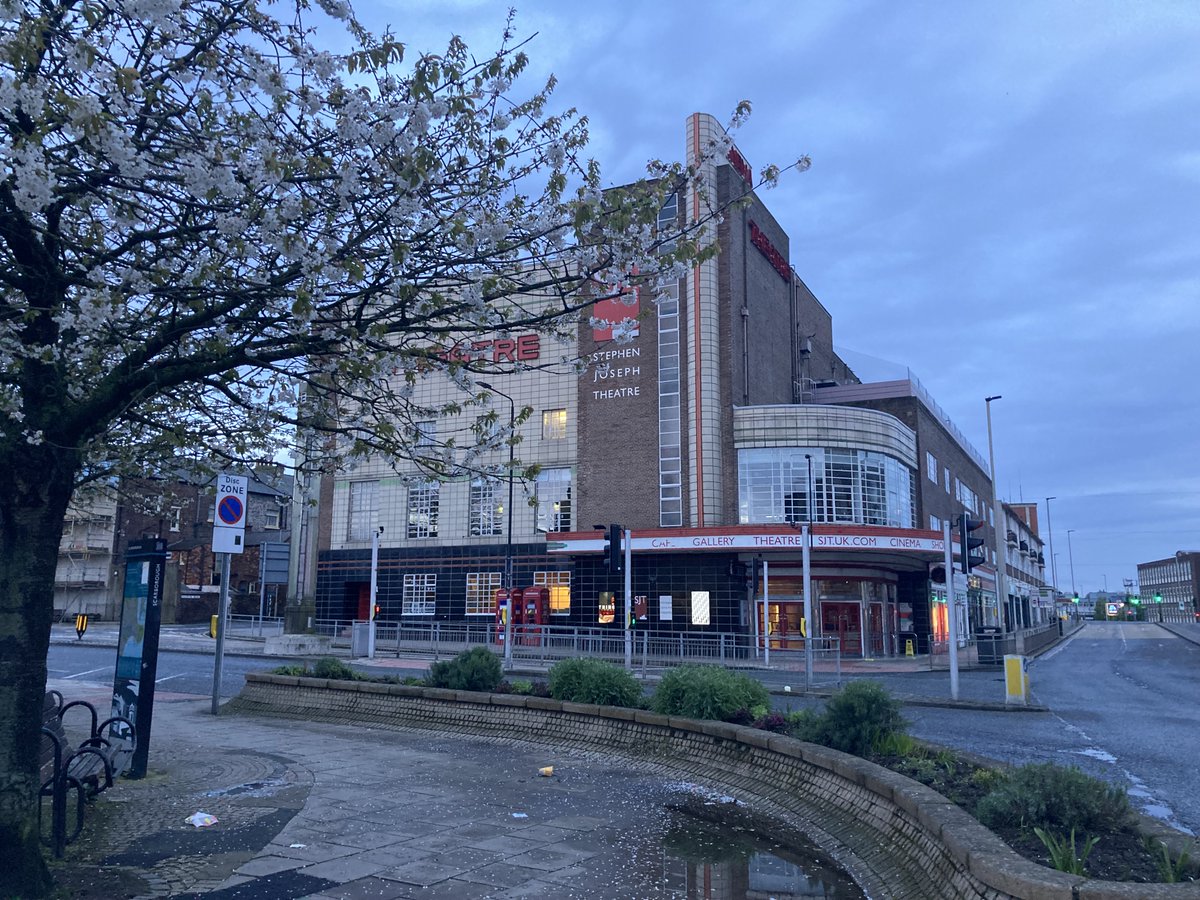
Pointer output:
x,y
898,838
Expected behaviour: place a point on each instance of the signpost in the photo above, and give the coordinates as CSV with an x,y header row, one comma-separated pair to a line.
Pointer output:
x,y
137,645
229,536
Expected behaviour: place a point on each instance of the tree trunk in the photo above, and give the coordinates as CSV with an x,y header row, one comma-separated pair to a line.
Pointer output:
x,y
35,489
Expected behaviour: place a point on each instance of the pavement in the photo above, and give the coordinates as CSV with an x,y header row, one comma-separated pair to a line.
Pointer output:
x,y
326,812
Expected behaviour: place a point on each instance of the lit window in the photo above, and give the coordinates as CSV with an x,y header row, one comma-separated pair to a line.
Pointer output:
x,y
560,590
481,593
363,511
484,512
420,595
423,501
554,424
554,500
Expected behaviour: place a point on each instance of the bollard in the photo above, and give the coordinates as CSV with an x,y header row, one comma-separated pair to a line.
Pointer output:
x,y
81,623
1016,679
212,627
908,647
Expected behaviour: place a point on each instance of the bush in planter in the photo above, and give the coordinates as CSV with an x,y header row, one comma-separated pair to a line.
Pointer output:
x,y
593,681
708,692
335,670
1055,798
858,718
477,669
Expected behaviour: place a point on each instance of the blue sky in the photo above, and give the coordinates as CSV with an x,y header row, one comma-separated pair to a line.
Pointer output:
x,y
1004,197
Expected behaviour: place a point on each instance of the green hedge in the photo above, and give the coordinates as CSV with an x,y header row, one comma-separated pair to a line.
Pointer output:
x,y
472,670
593,681
710,692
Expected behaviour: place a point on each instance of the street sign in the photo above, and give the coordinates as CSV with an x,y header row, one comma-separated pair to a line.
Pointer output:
x,y
229,523
231,501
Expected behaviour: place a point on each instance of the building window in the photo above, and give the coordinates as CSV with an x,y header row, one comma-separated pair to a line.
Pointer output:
x,y
423,509
481,593
670,455
484,513
668,221
420,595
272,515
554,424
363,513
426,434
798,484
931,467
946,473
554,500
935,524
175,518
560,590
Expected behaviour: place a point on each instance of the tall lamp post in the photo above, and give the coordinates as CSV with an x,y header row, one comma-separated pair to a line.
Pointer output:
x,y
508,535
1071,557
806,562
1053,564
998,518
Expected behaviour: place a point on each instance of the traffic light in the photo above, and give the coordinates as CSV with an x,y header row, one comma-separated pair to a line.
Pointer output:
x,y
1135,600
616,560
1075,599
1157,597
968,543
375,611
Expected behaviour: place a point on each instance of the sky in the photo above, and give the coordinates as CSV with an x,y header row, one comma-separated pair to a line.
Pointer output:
x,y
1004,198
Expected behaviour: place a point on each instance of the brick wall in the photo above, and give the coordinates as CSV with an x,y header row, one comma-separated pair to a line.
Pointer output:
x,y
896,837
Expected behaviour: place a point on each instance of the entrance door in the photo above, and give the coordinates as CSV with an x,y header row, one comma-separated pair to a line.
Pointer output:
x,y
843,620
787,624
875,637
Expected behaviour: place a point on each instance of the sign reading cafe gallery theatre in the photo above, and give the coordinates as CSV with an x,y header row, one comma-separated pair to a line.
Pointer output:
x,y
885,539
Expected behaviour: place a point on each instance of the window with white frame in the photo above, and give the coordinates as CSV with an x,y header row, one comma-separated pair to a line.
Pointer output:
x,y
931,467
363,513
559,584
554,424
420,595
935,524
175,518
946,473
553,488
423,500
272,515
426,434
483,511
481,592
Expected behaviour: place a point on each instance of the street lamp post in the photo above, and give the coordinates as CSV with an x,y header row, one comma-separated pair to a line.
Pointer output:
x,y
998,518
508,536
1071,557
806,563
1050,532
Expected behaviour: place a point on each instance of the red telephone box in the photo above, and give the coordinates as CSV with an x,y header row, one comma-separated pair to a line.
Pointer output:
x,y
500,601
531,610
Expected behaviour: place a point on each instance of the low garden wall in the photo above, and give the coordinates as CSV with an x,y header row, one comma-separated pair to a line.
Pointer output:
x,y
896,837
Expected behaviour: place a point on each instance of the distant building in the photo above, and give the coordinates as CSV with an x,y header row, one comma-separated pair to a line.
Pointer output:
x,y
1031,599
1171,586
723,425
84,576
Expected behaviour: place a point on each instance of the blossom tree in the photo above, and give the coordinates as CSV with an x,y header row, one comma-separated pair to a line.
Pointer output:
x,y
205,216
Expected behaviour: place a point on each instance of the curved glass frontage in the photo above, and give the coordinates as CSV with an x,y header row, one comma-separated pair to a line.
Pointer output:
x,y
811,484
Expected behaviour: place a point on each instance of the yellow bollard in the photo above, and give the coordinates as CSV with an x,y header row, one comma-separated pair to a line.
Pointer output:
x,y
212,627
1016,679
908,648
81,625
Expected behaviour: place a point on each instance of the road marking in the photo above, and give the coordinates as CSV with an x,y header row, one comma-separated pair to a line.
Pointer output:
x,y
88,672
167,678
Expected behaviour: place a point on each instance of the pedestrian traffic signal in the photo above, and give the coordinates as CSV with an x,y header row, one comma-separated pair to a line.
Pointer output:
x,y
968,542
375,611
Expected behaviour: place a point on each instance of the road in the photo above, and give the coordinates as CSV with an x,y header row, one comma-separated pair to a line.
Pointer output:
x,y
1125,706
185,673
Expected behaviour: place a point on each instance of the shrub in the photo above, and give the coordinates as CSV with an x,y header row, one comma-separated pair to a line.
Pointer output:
x,y
299,669
707,692
477,669
858,717
520,686
593,681
1043,795
334,669
776,722
802,724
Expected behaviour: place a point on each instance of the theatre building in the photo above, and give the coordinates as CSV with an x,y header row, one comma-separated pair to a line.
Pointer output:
x,y
714,435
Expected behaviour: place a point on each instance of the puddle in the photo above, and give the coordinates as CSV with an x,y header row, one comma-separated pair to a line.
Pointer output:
x,y
706,859
250,789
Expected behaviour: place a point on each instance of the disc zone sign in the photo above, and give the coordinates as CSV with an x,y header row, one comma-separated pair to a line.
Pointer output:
x,y
231,501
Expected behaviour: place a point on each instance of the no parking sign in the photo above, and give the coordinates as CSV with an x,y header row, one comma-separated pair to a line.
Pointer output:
x,y
229,523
